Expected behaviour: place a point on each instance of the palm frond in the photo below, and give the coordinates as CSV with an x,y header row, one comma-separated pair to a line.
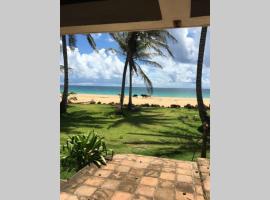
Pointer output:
x,y
121,39
72,42
91,41
150,62
62,68
147,81
119,52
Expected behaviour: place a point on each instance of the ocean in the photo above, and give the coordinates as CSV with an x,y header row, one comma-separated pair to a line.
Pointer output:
x,y
158,92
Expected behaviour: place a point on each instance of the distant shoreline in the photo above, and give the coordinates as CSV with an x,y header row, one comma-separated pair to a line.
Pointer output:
x,y
158,92
162,101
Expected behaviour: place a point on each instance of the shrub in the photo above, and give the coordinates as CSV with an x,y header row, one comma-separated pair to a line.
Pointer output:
x,y
92,102
189,106
145,105
175,106
99,102
82,150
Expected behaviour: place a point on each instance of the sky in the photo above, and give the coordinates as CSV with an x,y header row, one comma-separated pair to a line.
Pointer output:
x,y
105,68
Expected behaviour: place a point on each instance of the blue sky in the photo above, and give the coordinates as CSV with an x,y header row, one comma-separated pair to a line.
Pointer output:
x,y
105,68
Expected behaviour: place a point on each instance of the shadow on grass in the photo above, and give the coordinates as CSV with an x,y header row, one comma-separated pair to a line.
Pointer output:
x,y
183,120
168,134
184,151
82,119
139,119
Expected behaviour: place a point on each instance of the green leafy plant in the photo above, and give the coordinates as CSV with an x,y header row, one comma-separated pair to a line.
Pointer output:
x,y
82,150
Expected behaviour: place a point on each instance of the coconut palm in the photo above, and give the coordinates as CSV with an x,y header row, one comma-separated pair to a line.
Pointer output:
x,y
72,44
205,119
139,48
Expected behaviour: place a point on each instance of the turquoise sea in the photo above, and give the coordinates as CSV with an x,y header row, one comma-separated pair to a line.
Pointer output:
x,y
159,92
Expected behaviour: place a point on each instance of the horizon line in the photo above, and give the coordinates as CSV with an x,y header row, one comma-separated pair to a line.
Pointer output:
x,y
133,86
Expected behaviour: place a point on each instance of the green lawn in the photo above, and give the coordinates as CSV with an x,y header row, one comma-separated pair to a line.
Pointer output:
x,y
163,132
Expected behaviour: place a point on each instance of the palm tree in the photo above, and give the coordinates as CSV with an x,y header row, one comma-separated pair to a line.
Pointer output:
x,y
140,47
72,44
205,119
63,104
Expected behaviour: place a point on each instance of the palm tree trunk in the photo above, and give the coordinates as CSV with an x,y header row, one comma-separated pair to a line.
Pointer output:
x,y
130,87
130,51
201,106
123,84
63,104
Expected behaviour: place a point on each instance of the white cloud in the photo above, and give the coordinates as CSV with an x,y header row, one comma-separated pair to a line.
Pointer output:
x,y
96,35
94,67
106,68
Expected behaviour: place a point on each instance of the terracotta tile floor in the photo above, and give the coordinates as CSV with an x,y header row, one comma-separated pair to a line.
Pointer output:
x,y
135,177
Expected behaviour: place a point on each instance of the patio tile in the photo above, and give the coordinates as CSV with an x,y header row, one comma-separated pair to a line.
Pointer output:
x,y
102,194
184,187
128,184
122,168
132,177
182,165
109,166
110,184
149,181
136,172
128,163
140,165
121,196
94,181
184,178
140,197
184,196
144,159
63,195
152,173
85,190
164,194
72,197
168,169
167,176
117,175
199,190
157,167
184,171
145,190
166,184
103,173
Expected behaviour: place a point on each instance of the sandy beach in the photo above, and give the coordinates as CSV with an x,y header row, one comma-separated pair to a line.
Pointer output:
x,y
162,101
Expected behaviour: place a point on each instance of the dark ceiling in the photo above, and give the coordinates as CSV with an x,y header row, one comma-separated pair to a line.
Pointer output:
x,y
200,8
91,12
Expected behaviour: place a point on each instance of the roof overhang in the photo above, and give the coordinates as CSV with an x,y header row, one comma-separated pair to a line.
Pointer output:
x,y
95,16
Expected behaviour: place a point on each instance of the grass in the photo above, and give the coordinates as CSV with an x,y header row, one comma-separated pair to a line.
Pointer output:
x,y
162,132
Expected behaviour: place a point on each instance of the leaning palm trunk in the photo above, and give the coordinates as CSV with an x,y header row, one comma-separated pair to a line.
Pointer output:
x,y
63,104
201,107
123,84
130,52
130,87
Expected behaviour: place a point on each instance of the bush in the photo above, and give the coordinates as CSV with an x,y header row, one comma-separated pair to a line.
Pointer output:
x,y
92,102
82,150
175,106
145,105
189,106
99,102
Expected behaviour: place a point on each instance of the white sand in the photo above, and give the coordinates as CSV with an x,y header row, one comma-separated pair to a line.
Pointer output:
x,y
162,101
